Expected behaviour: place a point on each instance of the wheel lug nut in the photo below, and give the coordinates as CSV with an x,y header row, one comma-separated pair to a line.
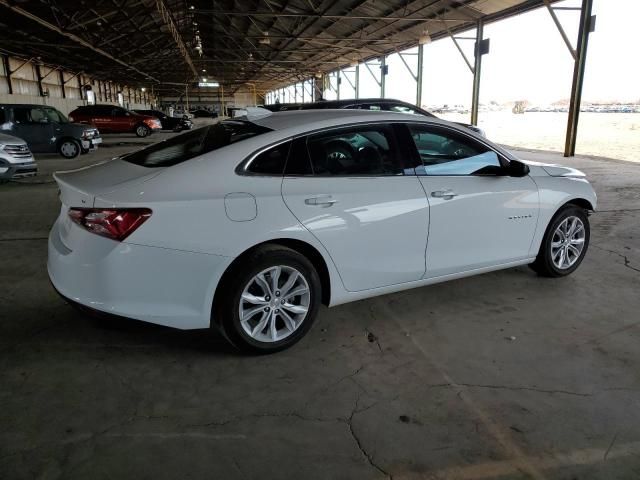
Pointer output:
x,y
277,294
266,309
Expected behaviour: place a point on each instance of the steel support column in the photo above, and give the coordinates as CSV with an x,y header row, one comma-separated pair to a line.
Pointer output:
x,y
419,78
338,84
383,67
39,79
7,72
61,78
578,77
357,81
477,70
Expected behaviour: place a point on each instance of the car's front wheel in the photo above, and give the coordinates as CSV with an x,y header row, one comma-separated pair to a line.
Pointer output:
x,y
564,244
270,301
142,131
69,148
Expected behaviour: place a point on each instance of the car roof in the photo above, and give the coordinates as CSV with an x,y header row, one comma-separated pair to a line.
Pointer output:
x,y
299,121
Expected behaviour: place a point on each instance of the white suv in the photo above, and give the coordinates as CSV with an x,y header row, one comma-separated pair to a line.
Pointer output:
x,y
16,160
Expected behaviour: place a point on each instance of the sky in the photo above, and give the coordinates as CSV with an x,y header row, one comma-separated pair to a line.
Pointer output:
x,y
528,60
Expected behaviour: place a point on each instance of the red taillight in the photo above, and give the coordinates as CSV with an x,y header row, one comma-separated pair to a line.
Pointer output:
x,y
114,223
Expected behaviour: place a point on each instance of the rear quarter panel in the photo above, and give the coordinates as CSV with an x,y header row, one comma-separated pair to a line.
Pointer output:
x,y
189,212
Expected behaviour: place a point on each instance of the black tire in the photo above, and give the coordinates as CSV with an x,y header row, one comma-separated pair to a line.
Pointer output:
x,y
69,148
142,130
544,264
226,311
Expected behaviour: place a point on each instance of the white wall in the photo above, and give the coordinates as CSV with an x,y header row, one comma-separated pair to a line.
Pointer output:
x,y
65,105
24,82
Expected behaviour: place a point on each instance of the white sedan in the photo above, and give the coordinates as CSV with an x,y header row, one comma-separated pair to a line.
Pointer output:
x,y
248,225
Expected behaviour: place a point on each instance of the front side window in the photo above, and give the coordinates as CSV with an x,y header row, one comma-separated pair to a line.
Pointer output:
x,y
365,150
271,161
55,116
194,143
445,152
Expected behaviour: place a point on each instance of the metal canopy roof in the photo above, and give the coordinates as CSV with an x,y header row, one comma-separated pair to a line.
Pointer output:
x,y
266,42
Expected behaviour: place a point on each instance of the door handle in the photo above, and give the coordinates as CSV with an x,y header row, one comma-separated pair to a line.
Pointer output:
x,y
323,201
446,194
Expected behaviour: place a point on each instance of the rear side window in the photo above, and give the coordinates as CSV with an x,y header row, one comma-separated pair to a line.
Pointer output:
x,y
368,106
196,142
365,150
30,115
271,161
401,109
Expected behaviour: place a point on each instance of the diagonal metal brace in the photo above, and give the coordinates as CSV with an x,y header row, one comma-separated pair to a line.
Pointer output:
x,y
561,29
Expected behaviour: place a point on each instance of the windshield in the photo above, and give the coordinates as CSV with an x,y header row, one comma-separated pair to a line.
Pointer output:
x,y
197,142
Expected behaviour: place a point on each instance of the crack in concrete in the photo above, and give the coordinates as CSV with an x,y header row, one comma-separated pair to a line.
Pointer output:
x,y
627,263
618,210
364,452
24,239
613,440
507,387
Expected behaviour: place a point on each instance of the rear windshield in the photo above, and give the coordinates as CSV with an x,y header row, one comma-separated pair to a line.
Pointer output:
x,y
197,142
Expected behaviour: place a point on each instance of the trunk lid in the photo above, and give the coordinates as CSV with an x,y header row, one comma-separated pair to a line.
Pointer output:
x,y
79,188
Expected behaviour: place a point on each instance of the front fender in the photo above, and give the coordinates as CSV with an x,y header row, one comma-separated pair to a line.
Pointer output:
x,y
555,192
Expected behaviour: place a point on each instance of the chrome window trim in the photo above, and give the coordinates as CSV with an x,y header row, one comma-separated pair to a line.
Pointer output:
x,y
502,158
243,166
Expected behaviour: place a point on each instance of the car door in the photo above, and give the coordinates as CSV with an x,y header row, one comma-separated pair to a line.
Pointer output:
x,y
356,191
33,126
480,216
122,120
100,116
57,119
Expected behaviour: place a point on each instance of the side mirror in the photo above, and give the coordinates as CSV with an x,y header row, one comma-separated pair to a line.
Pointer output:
x,y
517,169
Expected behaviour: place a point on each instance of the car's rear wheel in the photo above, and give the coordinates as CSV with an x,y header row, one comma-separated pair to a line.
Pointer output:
x,y
69,148
142,130
564,244
270,301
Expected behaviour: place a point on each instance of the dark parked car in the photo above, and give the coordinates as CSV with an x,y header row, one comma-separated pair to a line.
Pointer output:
x,y
384,104
202,113
46,130
168,123
114,119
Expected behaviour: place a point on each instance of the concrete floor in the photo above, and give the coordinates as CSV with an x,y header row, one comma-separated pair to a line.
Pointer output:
x,y
424,384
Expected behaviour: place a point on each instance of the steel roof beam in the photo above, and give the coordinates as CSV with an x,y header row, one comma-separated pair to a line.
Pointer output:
x,y
73,37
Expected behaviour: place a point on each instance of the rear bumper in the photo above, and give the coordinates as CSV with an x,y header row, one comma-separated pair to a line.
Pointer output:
x,y
156,285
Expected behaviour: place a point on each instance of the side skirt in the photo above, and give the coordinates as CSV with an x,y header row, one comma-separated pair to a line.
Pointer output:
x,y
346,297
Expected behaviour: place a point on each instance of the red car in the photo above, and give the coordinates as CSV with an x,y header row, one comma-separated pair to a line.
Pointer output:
x,y
114,119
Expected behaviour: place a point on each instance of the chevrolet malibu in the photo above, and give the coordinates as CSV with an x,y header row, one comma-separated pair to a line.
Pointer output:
x,y
247,226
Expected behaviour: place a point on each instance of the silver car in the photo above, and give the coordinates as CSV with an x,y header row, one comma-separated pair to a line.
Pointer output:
x,y
16,160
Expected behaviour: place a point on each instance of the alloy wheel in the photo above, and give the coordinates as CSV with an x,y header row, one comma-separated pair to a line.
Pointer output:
x,y
567,242
274,304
